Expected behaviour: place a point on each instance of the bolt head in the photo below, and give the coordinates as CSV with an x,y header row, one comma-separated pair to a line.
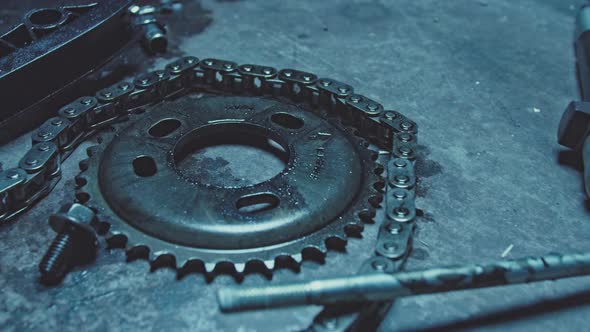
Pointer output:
x,y
343,90
73,215
267,71
574,126
86,101
247,68
190,61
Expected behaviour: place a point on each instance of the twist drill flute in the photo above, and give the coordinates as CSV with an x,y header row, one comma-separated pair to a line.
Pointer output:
x,y
386,287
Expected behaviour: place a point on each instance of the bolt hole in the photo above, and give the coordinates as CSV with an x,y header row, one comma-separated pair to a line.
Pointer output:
x,y
144,166
45,17
287,121
257,203
164,127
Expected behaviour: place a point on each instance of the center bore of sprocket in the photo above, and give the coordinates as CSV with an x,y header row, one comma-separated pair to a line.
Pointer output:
x,y
230,155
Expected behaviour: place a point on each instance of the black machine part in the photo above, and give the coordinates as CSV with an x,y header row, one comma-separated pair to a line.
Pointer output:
x,y
392,133
574,126
42,58
136,183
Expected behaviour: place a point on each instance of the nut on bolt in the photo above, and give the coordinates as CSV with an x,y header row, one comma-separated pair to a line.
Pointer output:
x,y
75,243
574,126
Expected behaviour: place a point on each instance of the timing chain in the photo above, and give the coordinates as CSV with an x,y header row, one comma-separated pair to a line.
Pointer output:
x,y
40,169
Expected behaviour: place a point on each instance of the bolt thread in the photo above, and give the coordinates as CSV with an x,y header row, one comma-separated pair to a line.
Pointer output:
x,y
55,263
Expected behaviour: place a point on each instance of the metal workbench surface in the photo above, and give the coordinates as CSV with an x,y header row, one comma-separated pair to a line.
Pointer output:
x,y
486,81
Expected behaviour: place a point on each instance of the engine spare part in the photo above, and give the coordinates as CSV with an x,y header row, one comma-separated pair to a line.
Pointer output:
x,y
38,46
574,127
137,183
75,244
147,201
383,287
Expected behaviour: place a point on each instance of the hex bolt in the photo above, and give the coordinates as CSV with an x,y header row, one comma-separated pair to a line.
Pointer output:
x,y
75,243
154,38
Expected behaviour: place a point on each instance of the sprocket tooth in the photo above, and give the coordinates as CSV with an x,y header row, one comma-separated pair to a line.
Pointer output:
x,y
83,165
190,266
337,242
138,252
315,253
163,260
93,150
81,180
354,229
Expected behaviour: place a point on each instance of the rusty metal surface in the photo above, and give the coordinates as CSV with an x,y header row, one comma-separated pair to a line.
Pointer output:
x,y
486,81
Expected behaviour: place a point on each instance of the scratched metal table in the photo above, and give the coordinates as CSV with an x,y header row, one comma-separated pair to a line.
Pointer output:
x,y
485,80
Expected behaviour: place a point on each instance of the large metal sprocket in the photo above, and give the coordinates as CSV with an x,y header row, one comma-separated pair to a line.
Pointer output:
x,y
140,243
